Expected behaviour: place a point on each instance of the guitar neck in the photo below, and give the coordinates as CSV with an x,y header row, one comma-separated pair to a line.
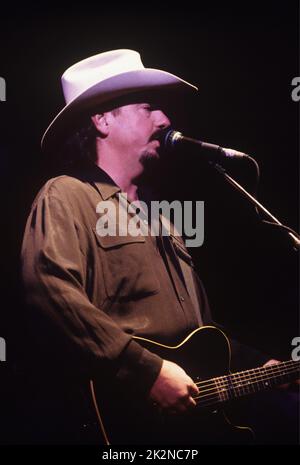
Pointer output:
x,y
235,385
263,378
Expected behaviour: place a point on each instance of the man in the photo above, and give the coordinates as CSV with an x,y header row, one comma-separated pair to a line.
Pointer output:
x,y
90,293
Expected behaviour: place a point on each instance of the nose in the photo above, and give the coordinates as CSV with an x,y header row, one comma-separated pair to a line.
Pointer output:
x,y
162,121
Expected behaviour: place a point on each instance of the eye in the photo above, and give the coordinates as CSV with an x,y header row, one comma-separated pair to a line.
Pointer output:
x,y
147,107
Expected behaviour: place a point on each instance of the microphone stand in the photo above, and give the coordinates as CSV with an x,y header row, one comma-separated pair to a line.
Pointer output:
x,y
171,138
274,221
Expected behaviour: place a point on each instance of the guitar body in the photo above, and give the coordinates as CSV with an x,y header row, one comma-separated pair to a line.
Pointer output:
x,y
126,418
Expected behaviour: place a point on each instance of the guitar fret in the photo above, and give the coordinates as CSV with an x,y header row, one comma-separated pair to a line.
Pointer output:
x,y
238,389
261,382
251,387
222,390
262,378
246,384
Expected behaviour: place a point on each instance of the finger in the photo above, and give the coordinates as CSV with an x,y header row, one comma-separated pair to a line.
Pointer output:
x,y
193,402
182,405
271,362
193,389
189,402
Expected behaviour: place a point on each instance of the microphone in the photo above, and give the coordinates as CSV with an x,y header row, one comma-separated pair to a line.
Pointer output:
x,y
172,140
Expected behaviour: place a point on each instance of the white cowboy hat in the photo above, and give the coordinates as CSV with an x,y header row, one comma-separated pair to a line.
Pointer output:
x,y
102,78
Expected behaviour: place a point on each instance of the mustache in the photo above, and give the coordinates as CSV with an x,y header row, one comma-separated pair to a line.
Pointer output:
x,y
159,134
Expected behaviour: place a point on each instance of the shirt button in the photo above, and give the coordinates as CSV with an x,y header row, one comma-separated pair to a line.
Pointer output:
x,y
182,298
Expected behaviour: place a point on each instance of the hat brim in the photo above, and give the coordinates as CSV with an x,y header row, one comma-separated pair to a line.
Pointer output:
x,y
108,90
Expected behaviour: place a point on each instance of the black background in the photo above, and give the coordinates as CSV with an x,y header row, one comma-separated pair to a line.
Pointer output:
x,y
243,58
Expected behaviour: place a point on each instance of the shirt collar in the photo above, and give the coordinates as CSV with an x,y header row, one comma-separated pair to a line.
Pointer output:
x,y
102,181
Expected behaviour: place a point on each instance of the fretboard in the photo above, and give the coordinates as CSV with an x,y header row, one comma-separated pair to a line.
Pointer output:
x,y
243,383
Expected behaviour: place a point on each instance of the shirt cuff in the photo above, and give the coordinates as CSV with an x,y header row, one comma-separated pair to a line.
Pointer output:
x,y
138,368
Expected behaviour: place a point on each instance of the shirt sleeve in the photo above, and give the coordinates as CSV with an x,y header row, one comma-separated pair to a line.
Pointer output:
x,y
75,332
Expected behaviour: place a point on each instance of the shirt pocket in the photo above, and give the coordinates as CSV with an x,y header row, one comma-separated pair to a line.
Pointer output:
x,y
128,271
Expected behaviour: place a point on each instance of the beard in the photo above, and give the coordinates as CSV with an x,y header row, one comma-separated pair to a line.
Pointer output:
x,y
150,161
151,168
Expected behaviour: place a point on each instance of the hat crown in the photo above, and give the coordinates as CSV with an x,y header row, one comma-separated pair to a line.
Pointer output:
x,y
86,73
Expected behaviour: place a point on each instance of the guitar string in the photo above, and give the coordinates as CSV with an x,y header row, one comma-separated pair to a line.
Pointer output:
x,y
236,383
248,375
225,380
231,388
276,367
240,383
215,399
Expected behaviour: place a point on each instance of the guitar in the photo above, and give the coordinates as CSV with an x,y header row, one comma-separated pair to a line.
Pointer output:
x,y
127,418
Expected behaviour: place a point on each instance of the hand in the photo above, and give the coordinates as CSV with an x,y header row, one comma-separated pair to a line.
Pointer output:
x,y
271,362
173,389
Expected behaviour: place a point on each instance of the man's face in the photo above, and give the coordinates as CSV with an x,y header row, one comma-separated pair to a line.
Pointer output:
x,y
134,133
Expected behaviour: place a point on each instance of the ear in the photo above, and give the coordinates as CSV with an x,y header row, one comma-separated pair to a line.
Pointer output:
x,y
100,122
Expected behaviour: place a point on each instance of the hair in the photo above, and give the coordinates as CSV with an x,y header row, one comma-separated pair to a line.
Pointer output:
x,y
79,148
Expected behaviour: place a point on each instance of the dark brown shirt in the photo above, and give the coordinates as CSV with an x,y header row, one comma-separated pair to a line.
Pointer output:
x,y
93,293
